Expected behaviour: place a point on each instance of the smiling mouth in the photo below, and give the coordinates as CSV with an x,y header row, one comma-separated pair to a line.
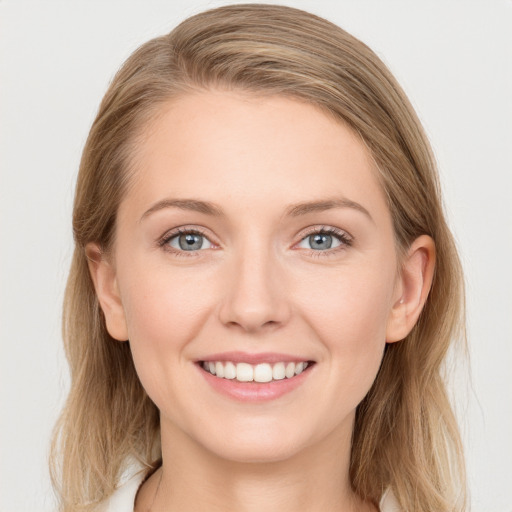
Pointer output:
x,y
263,372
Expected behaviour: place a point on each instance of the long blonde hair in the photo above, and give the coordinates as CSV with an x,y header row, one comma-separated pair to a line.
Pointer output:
x,y
405,435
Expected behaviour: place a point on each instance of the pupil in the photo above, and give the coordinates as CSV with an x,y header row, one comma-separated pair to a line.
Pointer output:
x,y
320,241
190,242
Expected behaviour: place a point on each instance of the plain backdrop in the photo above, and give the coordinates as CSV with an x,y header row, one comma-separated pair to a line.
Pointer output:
x,y
454,59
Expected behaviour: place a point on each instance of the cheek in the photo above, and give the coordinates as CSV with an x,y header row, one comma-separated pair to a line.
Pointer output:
x,y
349,315
163,305
165,309
350,302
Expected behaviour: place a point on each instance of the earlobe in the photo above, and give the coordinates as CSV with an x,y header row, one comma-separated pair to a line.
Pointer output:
x,y
412,289
105,283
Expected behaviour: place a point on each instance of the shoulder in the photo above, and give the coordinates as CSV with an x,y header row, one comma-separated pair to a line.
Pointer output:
x,y
123,499
388,502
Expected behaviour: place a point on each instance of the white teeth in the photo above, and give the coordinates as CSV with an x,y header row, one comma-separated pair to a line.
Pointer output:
x,y
278,371
244,372
290,370
229,371
219,369
263,372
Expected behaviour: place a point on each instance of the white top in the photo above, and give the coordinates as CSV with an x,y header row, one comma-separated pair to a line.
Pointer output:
x,y
123,500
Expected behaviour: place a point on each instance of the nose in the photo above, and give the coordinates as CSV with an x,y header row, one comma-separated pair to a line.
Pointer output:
x,y
255,296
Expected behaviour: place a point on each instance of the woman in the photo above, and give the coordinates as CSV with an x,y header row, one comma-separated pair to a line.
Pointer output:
x,y
264,286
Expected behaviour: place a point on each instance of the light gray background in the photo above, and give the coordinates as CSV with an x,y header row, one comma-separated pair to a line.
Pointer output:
x,y
454,59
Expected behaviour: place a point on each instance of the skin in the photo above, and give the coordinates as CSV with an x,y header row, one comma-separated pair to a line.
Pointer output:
x,y
256,286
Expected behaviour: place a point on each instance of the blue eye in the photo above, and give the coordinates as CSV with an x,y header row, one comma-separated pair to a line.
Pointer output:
x,y
188,241
325,239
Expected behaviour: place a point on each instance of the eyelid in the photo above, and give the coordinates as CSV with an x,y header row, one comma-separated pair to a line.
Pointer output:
x,y
345,238
324,228
164,240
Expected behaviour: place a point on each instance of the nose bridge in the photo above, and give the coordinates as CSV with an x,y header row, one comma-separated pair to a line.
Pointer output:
x,y
254,296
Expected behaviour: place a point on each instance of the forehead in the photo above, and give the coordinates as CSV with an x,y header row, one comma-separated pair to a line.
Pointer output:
x,y
224,146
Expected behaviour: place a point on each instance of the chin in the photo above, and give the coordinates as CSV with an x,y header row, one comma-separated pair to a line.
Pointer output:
x,y
258,443
258,453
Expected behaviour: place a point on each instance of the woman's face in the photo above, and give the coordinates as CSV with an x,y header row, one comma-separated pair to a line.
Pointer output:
x,y
255,237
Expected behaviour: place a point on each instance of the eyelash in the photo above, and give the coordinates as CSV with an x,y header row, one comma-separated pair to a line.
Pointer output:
x,y
164,241
344,238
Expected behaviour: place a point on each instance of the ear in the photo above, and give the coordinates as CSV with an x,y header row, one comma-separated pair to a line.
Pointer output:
x,y
412,288
105,283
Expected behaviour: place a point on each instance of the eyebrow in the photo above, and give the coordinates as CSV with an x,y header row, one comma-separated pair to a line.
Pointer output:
x,y
299,209
294,210
185,204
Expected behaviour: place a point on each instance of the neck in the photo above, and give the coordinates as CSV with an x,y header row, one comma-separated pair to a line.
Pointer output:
x,y
192,478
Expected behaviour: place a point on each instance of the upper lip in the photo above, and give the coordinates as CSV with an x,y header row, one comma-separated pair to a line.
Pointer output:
x,y
244,357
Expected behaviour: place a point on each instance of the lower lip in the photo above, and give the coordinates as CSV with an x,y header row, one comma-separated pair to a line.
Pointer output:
x,y
254,391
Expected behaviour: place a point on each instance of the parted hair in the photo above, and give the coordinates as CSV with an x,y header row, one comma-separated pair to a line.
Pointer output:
x,y
405,435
